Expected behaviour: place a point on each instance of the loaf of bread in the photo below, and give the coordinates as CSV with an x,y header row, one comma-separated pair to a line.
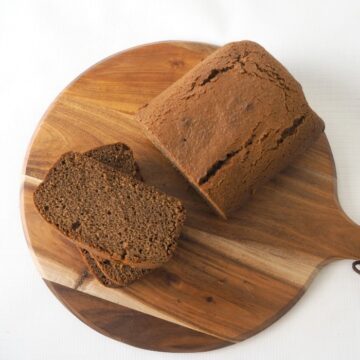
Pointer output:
x,y
231,123
109,213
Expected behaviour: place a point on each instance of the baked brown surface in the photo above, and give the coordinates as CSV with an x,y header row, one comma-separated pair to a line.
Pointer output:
x,y
231,123
95,270
108,213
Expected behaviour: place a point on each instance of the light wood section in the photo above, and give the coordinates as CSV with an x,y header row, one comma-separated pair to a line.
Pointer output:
x,y
228,279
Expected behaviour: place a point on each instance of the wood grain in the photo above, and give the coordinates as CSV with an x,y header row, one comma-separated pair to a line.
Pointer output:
x,y
118,322
229,279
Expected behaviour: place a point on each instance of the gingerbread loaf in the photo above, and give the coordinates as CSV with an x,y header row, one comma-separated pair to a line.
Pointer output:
x,y
231,123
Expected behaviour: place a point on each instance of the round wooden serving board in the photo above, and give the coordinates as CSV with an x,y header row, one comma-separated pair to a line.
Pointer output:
x,y
228,279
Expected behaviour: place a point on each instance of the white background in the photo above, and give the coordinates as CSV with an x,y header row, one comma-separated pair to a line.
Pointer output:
x,y
45,44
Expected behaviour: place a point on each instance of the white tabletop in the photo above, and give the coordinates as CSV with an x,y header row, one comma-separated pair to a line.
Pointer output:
x,y
46,44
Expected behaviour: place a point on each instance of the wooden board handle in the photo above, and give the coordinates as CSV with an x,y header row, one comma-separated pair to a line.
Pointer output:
x,y
348,239
354,241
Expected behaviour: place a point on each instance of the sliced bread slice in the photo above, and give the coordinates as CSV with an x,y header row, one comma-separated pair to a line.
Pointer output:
x,y
95,270
119,156
109,213
117,273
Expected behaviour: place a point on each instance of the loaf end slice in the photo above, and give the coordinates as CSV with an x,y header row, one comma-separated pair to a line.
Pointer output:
x,y
109,213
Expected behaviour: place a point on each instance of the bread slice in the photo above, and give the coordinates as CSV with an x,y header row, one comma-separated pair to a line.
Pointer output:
x,y
110,273
109,213
231,123
95,270
119,156
117,273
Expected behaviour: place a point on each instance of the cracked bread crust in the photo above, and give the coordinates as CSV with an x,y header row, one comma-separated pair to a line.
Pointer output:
x,y
109,213
231,123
